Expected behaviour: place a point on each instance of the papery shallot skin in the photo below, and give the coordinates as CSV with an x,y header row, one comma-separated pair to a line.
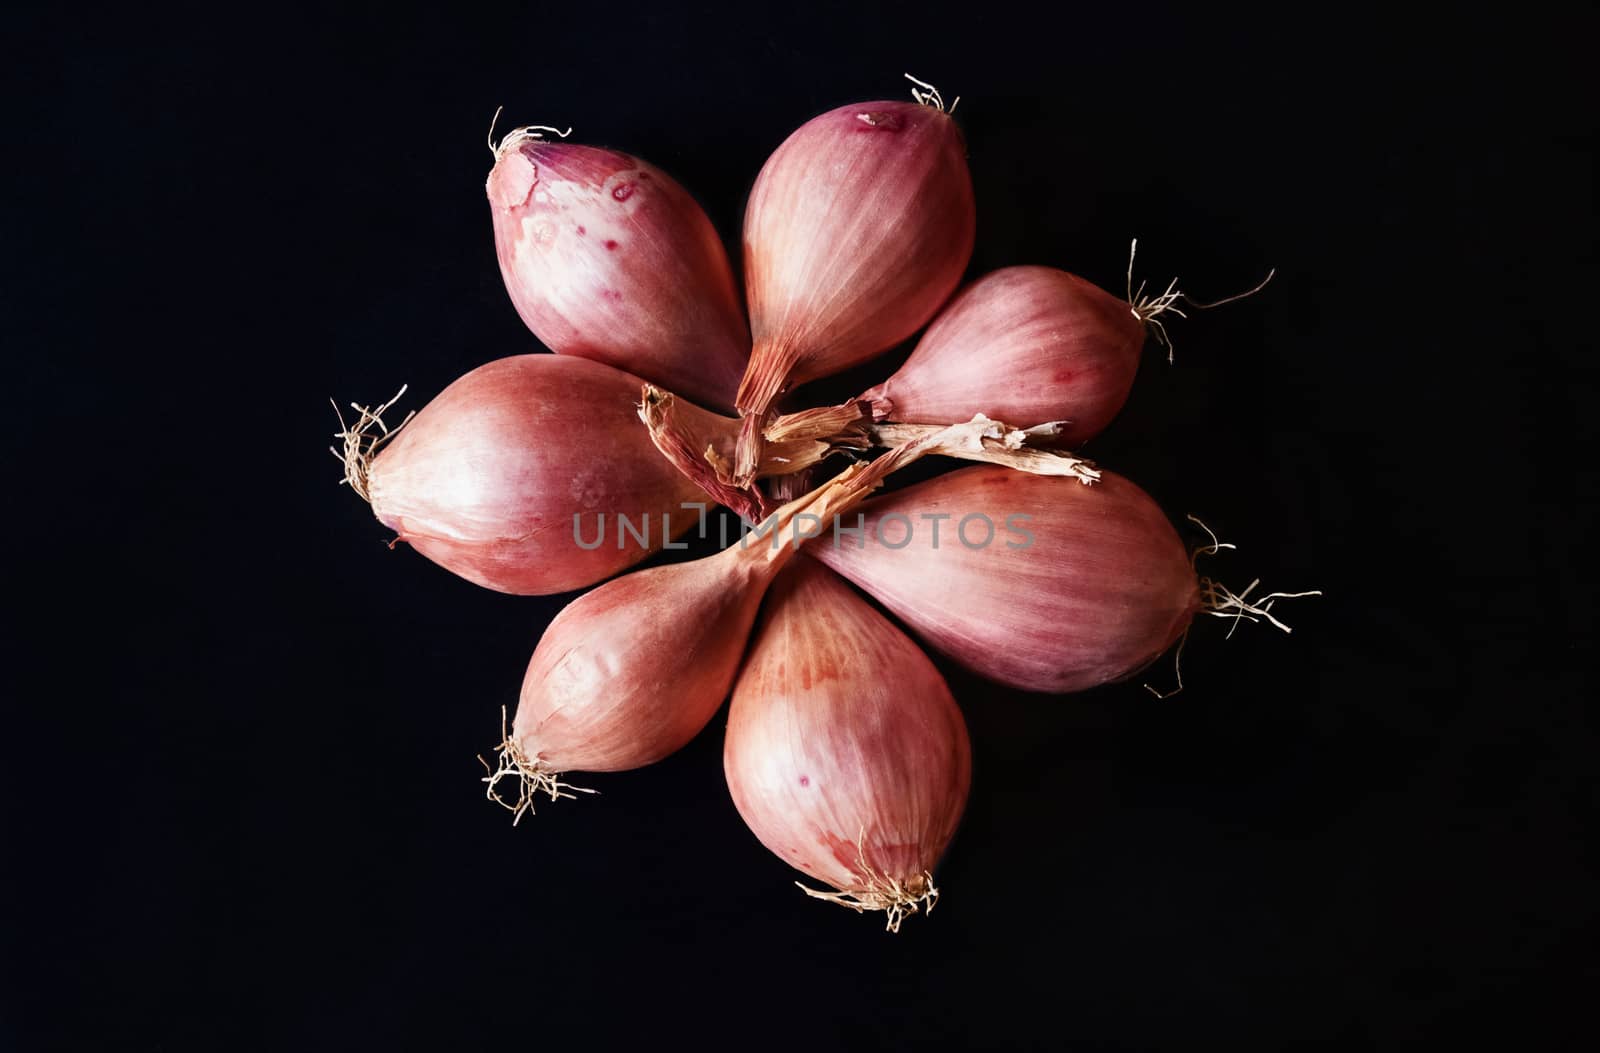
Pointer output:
x,y
1089,588
608,258
1025,345
844,743
486,479
859,226
629,673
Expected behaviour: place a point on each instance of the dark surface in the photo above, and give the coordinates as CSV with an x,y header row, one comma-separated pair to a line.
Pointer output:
x,y
242,807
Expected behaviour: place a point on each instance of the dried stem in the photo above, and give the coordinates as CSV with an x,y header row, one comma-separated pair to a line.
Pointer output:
x,y
878,891
701,444
1148,308
847,489
843,425
683,434
361,445
532,777
784,488
763,382
996,443
1218,601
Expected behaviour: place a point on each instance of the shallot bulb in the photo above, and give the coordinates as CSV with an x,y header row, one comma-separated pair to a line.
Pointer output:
x,y
608,258
1026,345
1034,582
846,754
629,673
509,475
858,228
1034,346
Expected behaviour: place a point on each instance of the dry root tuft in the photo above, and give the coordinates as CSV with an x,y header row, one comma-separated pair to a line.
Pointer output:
x,y
1149,307
361,445
1220,602
928,95
519,135
532,779
878,891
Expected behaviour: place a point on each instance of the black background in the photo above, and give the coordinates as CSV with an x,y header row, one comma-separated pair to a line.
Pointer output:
x,y
241,799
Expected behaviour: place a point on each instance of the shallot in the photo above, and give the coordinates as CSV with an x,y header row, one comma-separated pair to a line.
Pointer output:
x,y
1026,345
846,754
517,475
1034,582
859,226
607,257
1033,346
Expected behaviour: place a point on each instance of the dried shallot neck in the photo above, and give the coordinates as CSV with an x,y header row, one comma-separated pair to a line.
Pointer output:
x,y
1219,601
682,432
532,778
991,442
878,891
784,488
698,442
848,489
517,136
1149,307
361,443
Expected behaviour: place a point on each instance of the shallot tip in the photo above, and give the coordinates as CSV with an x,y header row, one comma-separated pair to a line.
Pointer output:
x,y
360,445
520,135
880,892
928,95
532,780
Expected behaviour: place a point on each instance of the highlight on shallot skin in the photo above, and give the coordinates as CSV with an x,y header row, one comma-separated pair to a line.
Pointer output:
x,y
608,257
858,228
846,754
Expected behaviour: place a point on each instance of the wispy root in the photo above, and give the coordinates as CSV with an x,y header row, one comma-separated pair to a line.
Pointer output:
x,y
519,135
928,95
532,778
1219,601
1149,307
362,443
878,891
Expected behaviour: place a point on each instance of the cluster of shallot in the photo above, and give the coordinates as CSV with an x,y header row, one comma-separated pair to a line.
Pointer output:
x,y
845,753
